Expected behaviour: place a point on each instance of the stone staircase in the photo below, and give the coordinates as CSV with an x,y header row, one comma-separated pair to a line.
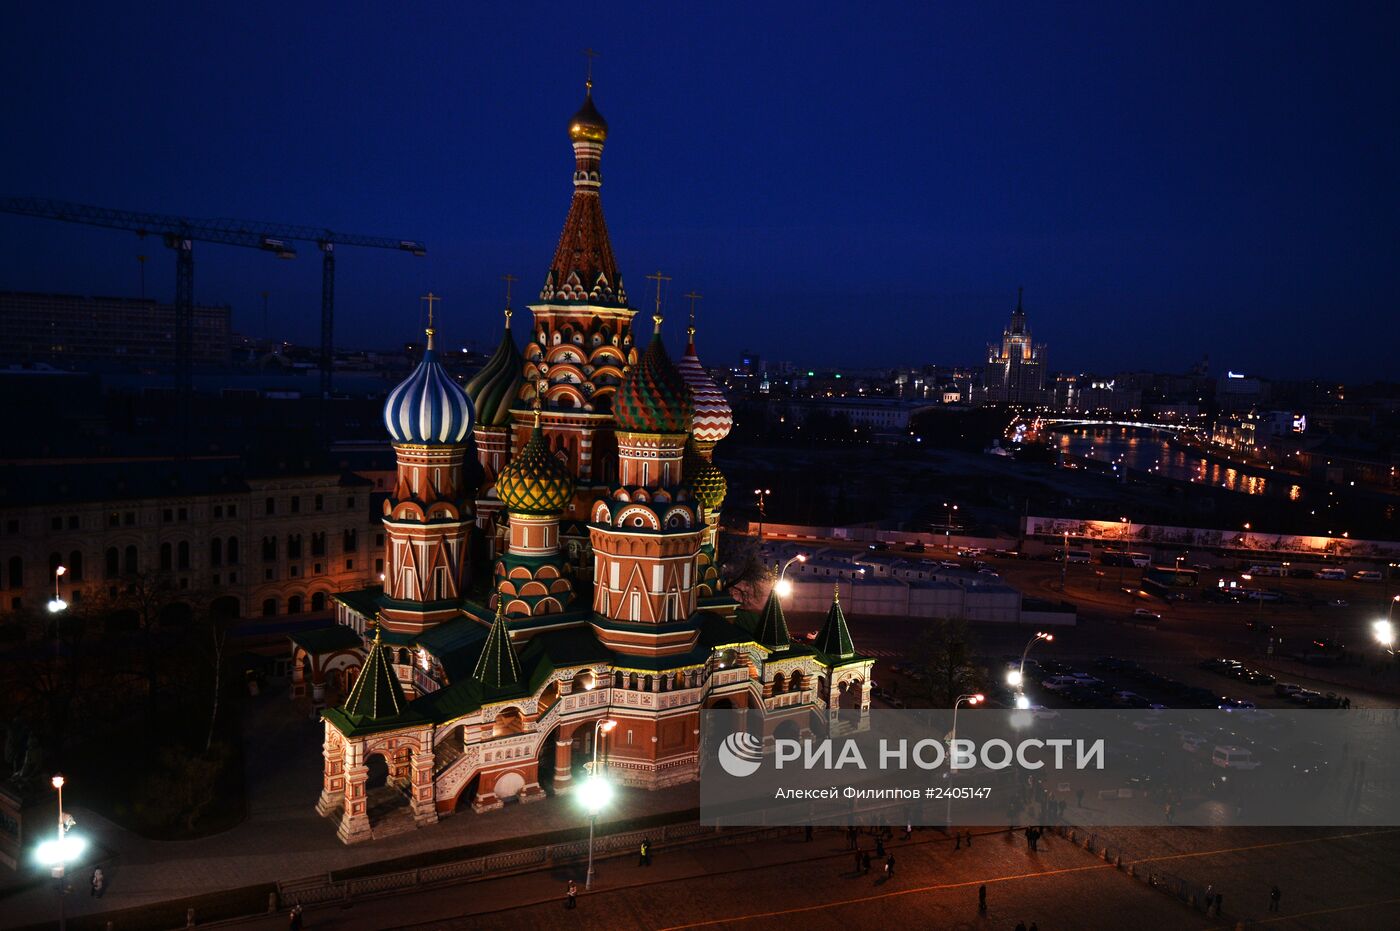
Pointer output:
x,y
445,754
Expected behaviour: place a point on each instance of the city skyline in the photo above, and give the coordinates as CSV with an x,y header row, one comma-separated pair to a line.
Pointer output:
x,y
1105,218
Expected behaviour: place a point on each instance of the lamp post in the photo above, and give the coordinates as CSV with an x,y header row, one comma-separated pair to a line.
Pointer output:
x,y
783,586
1064,563
948,510
58,604
59,851
1017,677
1123,557
761,494
972,699
597,792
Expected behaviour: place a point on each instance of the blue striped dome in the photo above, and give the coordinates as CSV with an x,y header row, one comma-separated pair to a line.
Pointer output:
x,y
428,406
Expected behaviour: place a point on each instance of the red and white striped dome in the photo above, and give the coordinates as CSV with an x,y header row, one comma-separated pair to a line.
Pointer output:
x,y
712,418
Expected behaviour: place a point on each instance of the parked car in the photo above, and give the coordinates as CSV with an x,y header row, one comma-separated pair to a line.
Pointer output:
x,y
1060,683
1255,677
1228,756
1286,689
1143,612
1235,704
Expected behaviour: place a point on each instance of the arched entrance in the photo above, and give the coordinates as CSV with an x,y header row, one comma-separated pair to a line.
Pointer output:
x,y
544,765
386,803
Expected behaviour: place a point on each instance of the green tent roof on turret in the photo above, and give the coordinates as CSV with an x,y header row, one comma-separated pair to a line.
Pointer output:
x,y
499,666
376,701
772,629
834,641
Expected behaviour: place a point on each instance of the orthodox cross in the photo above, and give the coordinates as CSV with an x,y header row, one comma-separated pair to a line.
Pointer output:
x,y
658,278
589,54
693,296
432,299
509,280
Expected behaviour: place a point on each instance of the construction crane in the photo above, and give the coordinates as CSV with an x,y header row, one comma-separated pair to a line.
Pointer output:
x,y
180,233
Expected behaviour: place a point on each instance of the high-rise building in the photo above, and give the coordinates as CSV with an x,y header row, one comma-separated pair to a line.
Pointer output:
x,y
1015,372
599,509
111,332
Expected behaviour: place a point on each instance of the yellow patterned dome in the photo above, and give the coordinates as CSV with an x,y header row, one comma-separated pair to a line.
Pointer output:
x,y
535,481
706,481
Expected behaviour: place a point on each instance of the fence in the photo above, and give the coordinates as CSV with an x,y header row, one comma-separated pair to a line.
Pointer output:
x,y
315,890
1191,894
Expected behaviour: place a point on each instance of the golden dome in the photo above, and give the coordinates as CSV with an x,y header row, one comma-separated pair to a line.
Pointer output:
x,y
535,481
706,481
588,124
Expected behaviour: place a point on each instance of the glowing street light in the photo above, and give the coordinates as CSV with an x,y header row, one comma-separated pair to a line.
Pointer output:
x,y
60,851
761,495
1385,635
1015,677
783,586
595,793
58,604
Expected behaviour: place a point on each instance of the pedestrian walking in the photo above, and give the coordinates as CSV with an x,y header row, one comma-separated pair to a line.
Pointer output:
x,y
571,895
865,863
1274,895
1035,840
879,846
860,858
1020,926
294,919
807,833
889,867
957,840
644,853
99,883
969,838
982,899
908,831
850,838
1029,845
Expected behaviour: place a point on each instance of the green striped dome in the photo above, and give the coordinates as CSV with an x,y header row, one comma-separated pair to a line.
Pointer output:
x,y
535,481
493,390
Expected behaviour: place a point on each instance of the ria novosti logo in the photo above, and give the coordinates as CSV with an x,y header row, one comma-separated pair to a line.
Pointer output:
x,y
741,754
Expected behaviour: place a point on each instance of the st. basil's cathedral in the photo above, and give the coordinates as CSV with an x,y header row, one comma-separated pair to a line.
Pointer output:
x,y
594,493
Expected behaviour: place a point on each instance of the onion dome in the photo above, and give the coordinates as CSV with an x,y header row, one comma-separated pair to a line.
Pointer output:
x,y
653,398
712,418
493,389
706,481
428,406
535,481
588,124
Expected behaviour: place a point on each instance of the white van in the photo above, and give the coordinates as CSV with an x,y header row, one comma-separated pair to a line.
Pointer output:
x,y
1232,757
1335,575
1367,575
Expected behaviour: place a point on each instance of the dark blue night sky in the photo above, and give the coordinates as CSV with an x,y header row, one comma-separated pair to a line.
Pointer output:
x,y
856,184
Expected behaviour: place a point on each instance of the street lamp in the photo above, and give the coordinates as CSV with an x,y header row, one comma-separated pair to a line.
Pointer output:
x,y
948,510
1064,562
1123,557
595,793
761,494
57,853
58,604
783,586
1016,676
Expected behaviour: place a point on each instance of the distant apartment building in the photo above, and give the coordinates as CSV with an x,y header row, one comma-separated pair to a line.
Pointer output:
x,y
216,537
1015,371
1092,394
109,332
879,415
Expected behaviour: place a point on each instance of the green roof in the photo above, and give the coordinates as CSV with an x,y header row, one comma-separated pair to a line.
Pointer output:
x,y
834,640
376,701
772,629
498,667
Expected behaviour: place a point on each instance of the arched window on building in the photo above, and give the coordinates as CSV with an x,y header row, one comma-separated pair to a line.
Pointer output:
x,y
293,546
231,551
318,601
351,541
183,554
270,607
294,604
269,549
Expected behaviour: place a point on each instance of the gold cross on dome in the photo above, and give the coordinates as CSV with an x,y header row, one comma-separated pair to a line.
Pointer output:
x,y
432,299
589,54
693,296
658,278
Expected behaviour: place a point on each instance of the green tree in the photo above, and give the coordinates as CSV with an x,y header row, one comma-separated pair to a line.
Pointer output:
x,y
944,653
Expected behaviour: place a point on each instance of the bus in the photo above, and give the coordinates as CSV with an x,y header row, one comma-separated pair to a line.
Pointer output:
x,y
1080,556
1120,558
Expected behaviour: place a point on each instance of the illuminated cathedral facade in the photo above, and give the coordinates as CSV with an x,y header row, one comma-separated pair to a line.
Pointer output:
x,y
582,468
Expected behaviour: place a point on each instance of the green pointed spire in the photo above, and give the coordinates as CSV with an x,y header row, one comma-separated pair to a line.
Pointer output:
x,y
772,629
834,640
498,667
376,694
